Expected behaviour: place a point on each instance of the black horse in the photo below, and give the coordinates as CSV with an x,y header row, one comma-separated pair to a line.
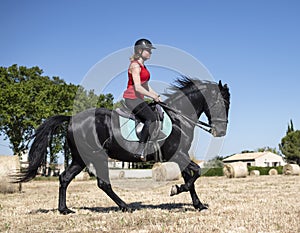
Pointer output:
x,y
94,135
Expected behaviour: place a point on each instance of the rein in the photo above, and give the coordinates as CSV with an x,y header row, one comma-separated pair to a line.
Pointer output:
x,y
198,123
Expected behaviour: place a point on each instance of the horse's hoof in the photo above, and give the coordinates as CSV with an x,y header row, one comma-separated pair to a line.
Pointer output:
x,y
203,208
204,211
66,211
174,190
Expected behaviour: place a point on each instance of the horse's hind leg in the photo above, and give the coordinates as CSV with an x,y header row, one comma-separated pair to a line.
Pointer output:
x,y
97,163
65,178
101,168
106,187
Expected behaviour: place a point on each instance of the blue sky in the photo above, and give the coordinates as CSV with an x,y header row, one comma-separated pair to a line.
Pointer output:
x,y
251,45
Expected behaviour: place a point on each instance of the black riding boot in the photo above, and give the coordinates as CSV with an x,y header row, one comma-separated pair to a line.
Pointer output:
x,y
140,152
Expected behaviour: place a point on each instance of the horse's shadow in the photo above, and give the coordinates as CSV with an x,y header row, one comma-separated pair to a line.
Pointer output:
x,y
42,211
135,206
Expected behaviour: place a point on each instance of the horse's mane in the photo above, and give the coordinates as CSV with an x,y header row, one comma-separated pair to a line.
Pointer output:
x,y
185,85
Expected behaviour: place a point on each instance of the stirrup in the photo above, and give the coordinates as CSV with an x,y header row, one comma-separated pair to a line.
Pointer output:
x,y
140,152
142,157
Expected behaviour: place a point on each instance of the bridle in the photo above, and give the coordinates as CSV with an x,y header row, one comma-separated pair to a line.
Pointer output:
x,y
202,125
215,119
198,123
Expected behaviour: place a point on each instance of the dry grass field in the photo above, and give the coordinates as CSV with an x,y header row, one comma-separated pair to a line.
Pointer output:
x,y
252,204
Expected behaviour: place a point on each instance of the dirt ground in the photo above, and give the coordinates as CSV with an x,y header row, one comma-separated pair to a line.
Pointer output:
x,y
253,204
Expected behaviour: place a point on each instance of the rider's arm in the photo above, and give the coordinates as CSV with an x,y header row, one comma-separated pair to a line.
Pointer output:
x,y
135,71
153,92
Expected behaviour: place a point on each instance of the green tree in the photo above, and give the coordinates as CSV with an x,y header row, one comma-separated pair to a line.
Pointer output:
x,y
290,127
27,98
267,148
290,146
85,99
217,161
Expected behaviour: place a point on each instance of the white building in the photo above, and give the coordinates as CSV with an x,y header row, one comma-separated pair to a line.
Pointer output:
x,y
258,159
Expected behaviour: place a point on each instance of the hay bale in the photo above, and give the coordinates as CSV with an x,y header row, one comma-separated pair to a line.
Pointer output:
x,y
115,174
291,169
273,172
235,170
167,171
121,174
254,173
82,176
9,166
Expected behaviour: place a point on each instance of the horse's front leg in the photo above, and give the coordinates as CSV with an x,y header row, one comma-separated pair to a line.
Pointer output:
x,y
190,174
196,201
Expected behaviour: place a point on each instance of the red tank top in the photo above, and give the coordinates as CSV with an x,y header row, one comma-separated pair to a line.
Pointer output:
x,y
130,92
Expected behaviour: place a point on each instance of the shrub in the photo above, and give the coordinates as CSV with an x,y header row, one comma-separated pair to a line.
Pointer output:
x,y
265,170
214,171
218,171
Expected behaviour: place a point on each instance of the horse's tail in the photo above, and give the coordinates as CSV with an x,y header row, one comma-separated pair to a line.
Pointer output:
x,y
39,146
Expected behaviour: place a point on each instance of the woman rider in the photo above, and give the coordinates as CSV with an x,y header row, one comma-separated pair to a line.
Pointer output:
x,y
137,88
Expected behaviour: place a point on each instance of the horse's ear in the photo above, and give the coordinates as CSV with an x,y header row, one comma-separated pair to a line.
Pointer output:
x,y
220,83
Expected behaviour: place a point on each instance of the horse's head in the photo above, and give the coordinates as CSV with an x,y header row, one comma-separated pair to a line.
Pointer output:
x,y
193,97
217,107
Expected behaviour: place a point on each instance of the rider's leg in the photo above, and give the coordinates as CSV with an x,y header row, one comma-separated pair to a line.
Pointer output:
x,y
145,134
142,110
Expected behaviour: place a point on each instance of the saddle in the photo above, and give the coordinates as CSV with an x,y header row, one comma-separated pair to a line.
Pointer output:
x,y
131,126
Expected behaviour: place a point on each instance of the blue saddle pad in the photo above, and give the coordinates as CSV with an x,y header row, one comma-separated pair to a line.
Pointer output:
x,y
128,131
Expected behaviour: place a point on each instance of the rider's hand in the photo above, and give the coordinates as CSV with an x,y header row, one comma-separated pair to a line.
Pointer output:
x,y
157,98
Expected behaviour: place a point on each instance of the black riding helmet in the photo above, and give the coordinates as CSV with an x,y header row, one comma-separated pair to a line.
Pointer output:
x,y
142,44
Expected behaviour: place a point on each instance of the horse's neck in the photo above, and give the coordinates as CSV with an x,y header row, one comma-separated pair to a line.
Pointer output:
x,y
191,107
